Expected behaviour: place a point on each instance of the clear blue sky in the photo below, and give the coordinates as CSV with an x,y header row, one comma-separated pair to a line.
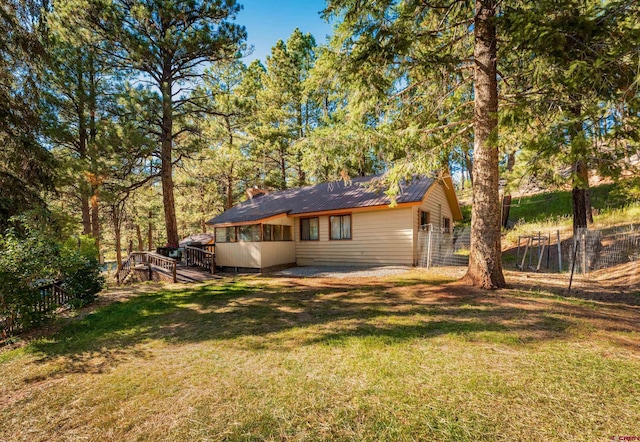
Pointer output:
x,y
268,21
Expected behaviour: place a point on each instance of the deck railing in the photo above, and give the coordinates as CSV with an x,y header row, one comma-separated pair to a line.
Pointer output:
x,y
129,264
164,262
200,257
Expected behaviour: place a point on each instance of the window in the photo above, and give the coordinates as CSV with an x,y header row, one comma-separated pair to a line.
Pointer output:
x,y
266,232
340,227
274,232
277,233
425,218
249,233
309,229
226,234
446,225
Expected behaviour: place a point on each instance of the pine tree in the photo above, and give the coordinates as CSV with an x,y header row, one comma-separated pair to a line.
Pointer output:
x,y
408,64
26,166
166,42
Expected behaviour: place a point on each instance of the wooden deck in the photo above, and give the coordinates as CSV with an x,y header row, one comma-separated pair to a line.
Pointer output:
x,y
194,274
198,266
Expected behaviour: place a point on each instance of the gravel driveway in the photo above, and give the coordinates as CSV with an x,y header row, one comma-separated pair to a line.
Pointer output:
x,y
342,271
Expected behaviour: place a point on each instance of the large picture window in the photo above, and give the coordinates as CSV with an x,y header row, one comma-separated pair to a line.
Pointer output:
x,y
275,232
249,233
309,229
340,227
226,234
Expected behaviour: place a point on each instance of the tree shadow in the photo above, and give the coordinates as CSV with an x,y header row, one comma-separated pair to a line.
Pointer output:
x,y
284,314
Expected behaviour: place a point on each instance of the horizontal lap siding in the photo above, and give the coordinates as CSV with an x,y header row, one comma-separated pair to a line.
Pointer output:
x,y
438,206
378,237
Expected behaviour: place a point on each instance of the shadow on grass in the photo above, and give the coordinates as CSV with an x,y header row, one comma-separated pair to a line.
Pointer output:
x,y
283,314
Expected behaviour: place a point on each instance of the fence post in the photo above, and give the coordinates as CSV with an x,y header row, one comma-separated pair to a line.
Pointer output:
x,y
559,253
584,252
429,248
174,272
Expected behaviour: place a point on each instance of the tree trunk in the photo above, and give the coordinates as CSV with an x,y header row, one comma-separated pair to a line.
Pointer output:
x,y
587,201
485,260
150,232
95,216
82,152
229,202
93,133
166,173
139,235
115,216
283,168
579,196
86,213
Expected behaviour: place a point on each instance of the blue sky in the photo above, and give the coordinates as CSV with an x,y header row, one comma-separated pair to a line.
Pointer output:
x,y
268,21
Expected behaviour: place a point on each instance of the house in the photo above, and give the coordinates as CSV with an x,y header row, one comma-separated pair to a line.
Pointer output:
x,y
333,223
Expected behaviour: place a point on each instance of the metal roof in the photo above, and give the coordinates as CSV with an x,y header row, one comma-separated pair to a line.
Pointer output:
x,y
322,197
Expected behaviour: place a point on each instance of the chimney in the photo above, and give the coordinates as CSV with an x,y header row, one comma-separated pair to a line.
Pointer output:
x,y
255,192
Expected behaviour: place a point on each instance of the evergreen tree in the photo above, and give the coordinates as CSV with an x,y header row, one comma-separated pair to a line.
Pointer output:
x,y
26,166
576,83
408,63
166,42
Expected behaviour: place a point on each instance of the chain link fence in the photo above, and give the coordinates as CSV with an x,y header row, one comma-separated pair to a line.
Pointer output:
x,y
439,247
600,249
584,252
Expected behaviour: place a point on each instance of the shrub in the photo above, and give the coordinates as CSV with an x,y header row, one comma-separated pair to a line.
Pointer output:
x,y
82,278
31,259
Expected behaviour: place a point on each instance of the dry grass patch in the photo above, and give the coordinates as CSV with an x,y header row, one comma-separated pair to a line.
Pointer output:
x,y
401,358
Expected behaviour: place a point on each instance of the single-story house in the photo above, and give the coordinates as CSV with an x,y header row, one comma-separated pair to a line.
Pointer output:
x,y
333,223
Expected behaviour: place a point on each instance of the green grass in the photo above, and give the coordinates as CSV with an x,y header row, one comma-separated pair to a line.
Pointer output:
x,y
404,358
557,204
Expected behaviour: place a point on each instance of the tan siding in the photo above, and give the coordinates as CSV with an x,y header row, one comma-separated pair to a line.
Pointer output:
x,y
239,254
277,253
438,206
284,221
378,237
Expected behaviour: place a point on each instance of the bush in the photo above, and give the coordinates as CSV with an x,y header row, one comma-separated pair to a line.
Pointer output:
x,y
82,278
31,259
26,261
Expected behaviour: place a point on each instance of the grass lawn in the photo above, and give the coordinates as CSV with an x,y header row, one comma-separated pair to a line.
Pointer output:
x,y
605,198
405,358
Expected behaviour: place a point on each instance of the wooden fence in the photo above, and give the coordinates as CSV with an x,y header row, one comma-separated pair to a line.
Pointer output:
x,y
51,296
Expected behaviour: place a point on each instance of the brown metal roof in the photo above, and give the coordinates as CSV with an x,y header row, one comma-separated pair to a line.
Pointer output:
x,y
320,198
